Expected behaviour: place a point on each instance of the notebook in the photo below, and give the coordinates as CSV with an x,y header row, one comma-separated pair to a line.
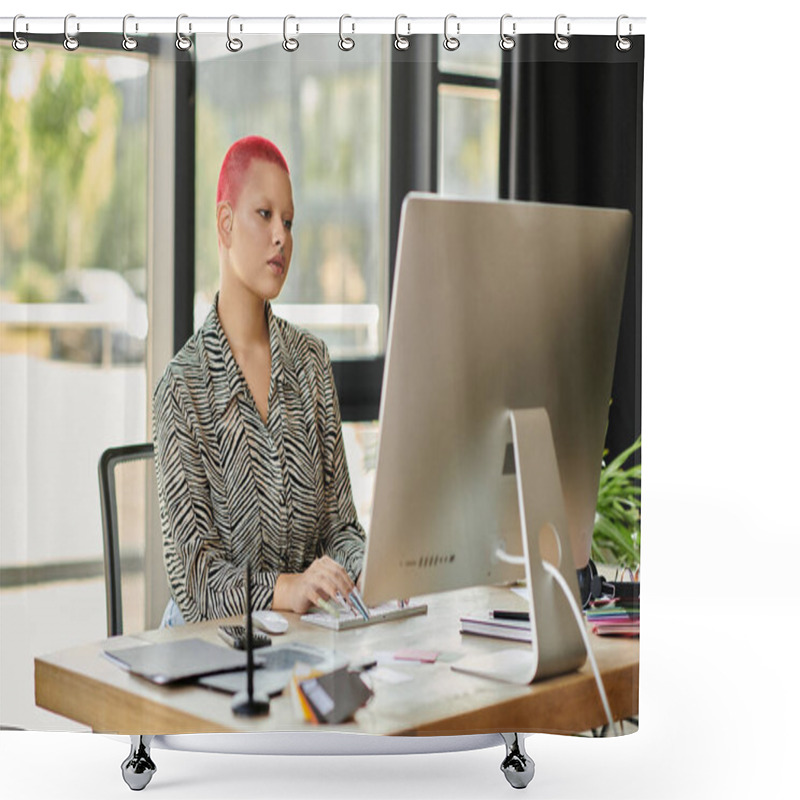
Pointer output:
x,y
482,623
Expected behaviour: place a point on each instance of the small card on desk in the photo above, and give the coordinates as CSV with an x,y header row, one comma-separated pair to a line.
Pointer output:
x,y
410,654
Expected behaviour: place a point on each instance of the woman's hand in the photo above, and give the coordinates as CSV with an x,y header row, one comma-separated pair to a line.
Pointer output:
x,y
323,579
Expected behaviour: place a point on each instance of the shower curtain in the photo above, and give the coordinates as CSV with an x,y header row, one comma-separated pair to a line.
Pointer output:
x,y
110,260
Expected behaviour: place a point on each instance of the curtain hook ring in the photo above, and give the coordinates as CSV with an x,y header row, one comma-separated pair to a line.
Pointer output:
x,y
623,44
234,45
19,44
451,42
561,42
290,45
401,42
507,42
181,42
346,42
128,43
70,42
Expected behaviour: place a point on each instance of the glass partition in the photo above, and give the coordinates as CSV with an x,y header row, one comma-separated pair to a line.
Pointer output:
x,y
73,332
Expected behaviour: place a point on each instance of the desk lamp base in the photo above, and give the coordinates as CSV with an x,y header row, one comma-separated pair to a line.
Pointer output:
x,y
245,706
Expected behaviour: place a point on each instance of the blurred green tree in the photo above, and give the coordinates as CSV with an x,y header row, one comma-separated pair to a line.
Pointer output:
x,y
59,127
74,118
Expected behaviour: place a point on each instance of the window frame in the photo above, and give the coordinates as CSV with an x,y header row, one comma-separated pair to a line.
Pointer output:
x,y
413,148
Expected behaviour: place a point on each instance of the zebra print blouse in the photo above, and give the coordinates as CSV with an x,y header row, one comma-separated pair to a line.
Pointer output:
x,y
232,489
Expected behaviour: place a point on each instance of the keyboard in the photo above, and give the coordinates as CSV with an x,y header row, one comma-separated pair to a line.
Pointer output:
x,y
348,619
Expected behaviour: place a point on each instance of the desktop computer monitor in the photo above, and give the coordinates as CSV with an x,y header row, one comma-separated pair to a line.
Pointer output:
x,y
498,307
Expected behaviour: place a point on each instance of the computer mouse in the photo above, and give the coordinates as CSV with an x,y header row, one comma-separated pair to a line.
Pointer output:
x,y
270,621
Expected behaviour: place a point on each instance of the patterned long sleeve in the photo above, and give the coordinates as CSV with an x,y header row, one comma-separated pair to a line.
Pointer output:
x,y
343,537
204,582
234,488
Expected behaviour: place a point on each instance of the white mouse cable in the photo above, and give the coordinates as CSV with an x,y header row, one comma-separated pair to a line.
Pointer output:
x,y
582,628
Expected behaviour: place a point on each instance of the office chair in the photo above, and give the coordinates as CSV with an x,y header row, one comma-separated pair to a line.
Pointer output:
x,y
131,542
132,549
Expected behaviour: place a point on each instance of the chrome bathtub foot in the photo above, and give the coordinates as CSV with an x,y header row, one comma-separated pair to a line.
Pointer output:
x,y
517,766
138,768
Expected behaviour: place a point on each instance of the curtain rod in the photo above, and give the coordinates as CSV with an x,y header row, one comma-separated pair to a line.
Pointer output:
x,y
452,26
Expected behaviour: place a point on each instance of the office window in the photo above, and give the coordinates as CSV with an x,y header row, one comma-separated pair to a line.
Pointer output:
x,y
477,56
328,117
469,141
469,119
73,328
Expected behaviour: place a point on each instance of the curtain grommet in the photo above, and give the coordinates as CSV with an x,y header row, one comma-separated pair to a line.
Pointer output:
x,y
289,44
18,43
401,42
128,42
451,43
623,44
346,43
70,42
182,42
561,42
507,42
233,44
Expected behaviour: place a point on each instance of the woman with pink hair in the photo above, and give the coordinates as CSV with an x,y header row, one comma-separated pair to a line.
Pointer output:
x,y
247,430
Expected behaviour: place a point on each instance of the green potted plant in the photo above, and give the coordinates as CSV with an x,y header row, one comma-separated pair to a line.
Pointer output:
x,y
617,523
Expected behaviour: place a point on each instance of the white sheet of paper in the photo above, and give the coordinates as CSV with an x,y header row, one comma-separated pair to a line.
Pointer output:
x,y
389,675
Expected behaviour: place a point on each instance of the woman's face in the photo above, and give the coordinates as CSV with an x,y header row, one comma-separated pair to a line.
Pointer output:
x,y
260,246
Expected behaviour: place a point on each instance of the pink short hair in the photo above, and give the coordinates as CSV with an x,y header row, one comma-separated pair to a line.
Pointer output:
x,y
237,162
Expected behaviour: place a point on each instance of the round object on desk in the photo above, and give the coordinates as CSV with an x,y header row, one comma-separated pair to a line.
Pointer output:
x,y
245,706
271,622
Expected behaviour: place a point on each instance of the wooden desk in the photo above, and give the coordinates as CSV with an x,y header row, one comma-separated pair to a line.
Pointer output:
x,y
80,683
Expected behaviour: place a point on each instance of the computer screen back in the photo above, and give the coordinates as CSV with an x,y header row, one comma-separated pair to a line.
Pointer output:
x,y
496,306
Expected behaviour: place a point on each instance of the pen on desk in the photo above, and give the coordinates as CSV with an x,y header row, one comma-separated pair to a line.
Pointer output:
x,y
365,666
523,616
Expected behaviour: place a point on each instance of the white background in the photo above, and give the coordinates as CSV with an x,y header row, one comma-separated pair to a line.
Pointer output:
x,y
719,699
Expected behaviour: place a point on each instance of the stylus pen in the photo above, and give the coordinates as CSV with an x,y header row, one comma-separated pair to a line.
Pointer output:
x,y
348,605
524,616
355,596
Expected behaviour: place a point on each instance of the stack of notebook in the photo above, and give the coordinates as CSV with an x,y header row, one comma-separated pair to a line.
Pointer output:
x,y
615,617
484,623
608,616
